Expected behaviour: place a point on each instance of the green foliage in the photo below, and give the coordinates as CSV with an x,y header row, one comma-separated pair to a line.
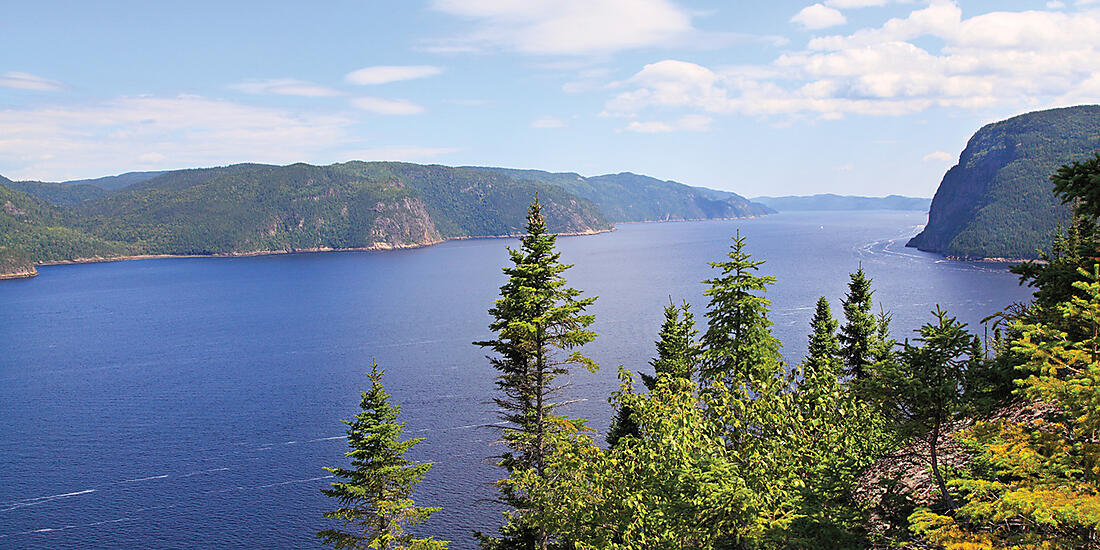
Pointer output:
x,y
536,318
677,356
858,336
922,392
1079,184
61,194
1036,483
375,493
738,348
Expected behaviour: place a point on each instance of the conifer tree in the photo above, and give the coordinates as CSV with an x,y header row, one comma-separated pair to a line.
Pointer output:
x,y
538,323
375,494
922,392
677,355
738,347
857,336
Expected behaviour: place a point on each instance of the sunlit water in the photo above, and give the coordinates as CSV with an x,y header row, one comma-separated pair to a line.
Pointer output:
x,y
192,403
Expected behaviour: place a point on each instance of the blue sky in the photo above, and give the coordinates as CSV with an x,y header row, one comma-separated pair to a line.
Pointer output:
x,y
867,97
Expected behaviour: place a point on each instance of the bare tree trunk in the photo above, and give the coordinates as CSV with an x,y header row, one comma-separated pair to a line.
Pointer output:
x,y
934,443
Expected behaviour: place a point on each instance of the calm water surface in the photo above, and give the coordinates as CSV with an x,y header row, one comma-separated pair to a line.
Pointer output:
x,y
191,403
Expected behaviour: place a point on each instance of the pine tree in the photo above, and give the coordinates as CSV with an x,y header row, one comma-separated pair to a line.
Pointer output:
x,y
375,495
738,347
537,319
857,336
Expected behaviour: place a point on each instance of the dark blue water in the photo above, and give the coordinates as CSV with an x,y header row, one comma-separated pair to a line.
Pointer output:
x,y
191,403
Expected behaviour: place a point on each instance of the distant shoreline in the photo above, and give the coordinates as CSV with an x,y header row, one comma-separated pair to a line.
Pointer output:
x,y
375,248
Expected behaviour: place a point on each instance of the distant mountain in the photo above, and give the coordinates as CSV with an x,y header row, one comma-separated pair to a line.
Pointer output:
x,y
628,197
64,194
997,201
258,208
111,183
829,201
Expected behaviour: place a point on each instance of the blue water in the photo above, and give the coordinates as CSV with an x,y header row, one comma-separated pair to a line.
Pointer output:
x,y
192,403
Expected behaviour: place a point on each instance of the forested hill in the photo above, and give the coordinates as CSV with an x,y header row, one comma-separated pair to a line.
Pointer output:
x,y
255,208
829,201
997,201
628,197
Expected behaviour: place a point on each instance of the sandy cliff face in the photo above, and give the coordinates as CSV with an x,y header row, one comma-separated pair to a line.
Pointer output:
x,y
401,223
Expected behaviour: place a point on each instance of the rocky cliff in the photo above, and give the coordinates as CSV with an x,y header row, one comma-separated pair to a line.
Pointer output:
x,y
997,201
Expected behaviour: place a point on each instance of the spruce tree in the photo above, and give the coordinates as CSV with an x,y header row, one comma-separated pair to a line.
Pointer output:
x,y
677,349
857,336
538,323
375,494
738,346
677,354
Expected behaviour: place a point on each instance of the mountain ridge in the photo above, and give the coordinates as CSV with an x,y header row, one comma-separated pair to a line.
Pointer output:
x,y
997,202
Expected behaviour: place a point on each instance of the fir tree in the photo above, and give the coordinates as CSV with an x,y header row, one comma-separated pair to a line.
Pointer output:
x,y
539,322
738,346
857,336
375,494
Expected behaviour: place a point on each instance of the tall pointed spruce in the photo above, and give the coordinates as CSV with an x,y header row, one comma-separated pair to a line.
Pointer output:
x,y
738,346
857,336
539,322
677,356
375,494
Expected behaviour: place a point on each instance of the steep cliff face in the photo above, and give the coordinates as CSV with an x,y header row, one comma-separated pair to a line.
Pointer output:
x,y
403,222
997,201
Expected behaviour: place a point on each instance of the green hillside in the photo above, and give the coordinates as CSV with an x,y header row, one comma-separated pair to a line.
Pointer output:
x,y
997,201
64,194
628,197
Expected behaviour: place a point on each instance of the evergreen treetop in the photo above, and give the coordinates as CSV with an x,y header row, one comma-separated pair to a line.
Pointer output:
x,y
857,336
375,493
738,346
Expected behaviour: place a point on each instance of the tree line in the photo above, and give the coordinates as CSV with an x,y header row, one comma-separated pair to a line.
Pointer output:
x,y
728,447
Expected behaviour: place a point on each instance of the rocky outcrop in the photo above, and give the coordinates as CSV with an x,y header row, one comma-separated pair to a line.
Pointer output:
x,y
402,223
998,200
15,264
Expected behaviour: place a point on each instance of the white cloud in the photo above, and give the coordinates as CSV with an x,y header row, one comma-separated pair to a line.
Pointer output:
x,y
1024,59
569,27
384,74
113,136
939,156
547,122
27,81
851,4
285,86
819,16
1056,5
686,123
383,106
398,153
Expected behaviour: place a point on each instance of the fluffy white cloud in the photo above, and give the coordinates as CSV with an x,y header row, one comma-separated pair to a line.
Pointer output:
x,y
819,16
569,27
27,81
384,74
85,140
383,106
1026,59
285,86
548,122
